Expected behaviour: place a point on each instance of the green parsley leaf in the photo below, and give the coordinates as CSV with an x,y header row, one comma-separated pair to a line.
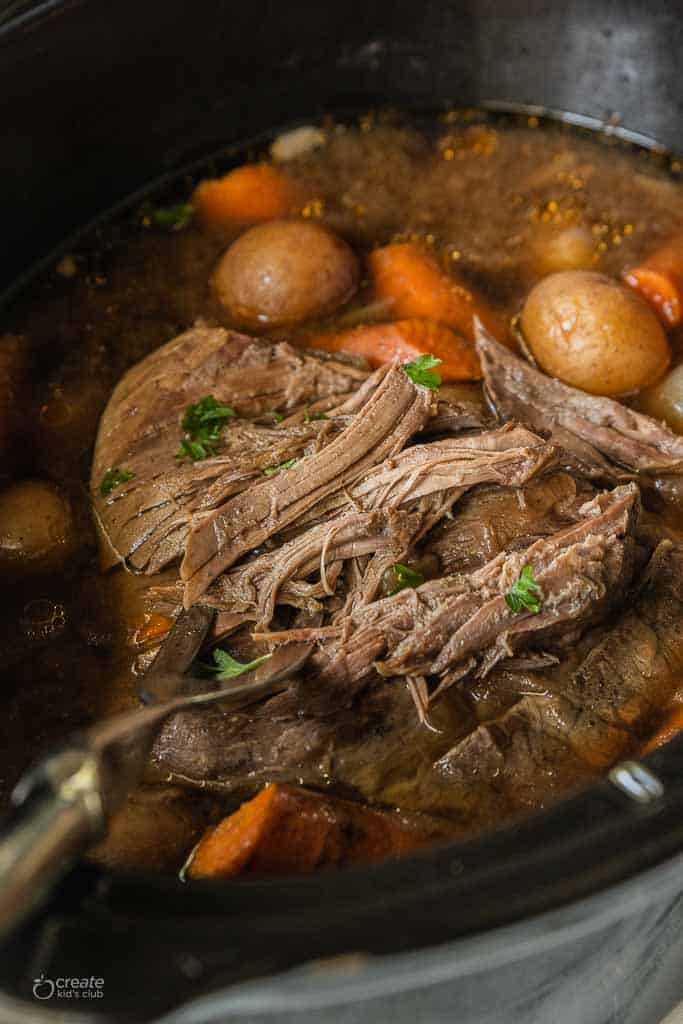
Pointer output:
x,y
281,465
405,577
277,416
227,667
114,478
420,372
194,450
174,218
206,414
522,594
202,424
310,417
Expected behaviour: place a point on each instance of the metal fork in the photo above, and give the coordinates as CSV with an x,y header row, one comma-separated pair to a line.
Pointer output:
x,y
63,805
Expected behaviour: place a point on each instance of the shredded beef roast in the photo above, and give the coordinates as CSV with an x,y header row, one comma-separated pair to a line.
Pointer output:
x,y
258,585
146,521
393,413
458,624
439,698
586,719
371,743
416,479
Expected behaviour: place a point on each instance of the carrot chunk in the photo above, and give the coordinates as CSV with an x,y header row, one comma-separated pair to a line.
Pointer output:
x,y
406,340
286,830
410,276
659,280
249,194
672,724
150,627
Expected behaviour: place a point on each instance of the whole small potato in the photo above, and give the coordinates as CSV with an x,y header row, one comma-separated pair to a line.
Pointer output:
x,y
573,248
665,400
284,272
593,333
36,526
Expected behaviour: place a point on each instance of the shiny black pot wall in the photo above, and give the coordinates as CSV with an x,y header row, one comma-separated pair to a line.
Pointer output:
x,y
97,100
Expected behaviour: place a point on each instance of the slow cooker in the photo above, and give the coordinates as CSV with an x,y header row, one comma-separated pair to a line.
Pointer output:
x,y
566,915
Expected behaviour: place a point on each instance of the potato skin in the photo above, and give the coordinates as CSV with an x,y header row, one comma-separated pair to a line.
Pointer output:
x,y
573,248
593,333
36,526
284,272
665,400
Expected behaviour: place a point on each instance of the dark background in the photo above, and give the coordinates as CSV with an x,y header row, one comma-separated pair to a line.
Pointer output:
x,y
98,97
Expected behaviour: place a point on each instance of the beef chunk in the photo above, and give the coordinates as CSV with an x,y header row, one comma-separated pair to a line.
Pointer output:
x,y
434,476
262,583
632,671
596,431
494,519
380,429
409,480
515,762
147,519
456,413
369,744
451,626
587,716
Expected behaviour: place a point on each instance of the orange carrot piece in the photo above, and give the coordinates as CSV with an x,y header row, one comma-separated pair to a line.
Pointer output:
x,y
409,275
659,280
249,194
151,627
672,724
287,830
406,340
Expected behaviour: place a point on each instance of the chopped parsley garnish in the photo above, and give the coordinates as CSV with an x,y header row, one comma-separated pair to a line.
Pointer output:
x,y
405,577
194,450
420,372
280,466
114,478
174,218
522,595
227,667
277,416
310,417
202,424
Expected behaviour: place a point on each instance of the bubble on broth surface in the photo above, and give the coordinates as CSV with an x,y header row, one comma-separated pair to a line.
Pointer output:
x,y
43,619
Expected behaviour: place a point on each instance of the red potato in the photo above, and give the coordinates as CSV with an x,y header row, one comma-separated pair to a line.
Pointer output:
x,y
591,332
572,248
285,272
665,400
36,526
